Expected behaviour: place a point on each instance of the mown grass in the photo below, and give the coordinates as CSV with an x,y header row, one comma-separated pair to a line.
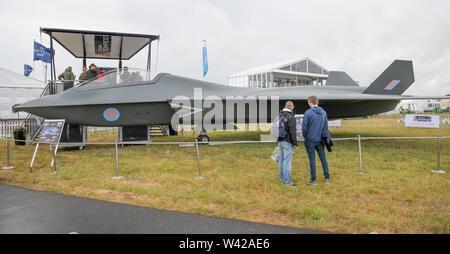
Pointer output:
x,y
398,195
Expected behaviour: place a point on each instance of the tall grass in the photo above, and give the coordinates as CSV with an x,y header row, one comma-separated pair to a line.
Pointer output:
x,y
398,195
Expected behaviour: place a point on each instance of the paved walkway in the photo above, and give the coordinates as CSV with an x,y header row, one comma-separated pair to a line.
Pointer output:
x,y
25,211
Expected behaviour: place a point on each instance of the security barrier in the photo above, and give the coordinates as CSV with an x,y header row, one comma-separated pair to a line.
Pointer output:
x,y
7,126
196,145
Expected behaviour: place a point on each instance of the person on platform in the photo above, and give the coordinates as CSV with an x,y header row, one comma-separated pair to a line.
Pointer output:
x,y
68,78
91,73
83,75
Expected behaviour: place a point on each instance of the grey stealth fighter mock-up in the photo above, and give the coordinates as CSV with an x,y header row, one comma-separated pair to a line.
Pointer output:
x,y
141,101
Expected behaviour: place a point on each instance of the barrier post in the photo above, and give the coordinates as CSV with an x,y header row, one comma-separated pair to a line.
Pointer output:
x,y
438,170
439,153
34,156
360,157
54,161
8,166
117,177
198,162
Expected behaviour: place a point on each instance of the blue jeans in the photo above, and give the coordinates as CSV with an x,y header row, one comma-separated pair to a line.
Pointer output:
x,y
311,148
286,150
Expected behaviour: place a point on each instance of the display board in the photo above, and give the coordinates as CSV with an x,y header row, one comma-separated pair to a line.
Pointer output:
x,y
51,131
425,121
299,120
102,45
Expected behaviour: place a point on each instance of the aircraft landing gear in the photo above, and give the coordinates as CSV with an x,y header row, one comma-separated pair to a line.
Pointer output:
x,y
203,138
172,131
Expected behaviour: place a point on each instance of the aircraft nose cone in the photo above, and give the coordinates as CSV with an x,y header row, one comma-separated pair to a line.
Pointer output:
x,y
36,106
30,104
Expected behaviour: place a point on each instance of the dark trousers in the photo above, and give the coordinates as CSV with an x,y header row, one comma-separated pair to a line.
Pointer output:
x,y
67,85
311,148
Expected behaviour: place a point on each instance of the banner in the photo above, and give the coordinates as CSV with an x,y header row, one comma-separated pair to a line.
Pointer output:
x,y
27,70
102,45
335,123
42,53
426,121
205,59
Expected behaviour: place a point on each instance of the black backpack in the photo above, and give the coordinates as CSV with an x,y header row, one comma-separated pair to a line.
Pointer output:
x,y
283,130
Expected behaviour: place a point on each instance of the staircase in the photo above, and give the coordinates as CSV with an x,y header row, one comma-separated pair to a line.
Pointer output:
x,y
33,130
157,130
33,134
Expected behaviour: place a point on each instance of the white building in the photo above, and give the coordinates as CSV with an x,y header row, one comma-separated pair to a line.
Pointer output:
x,y
14,89
291,73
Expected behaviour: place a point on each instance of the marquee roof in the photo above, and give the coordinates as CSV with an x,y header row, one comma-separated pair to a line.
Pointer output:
x,y
16,80
100,45
297,66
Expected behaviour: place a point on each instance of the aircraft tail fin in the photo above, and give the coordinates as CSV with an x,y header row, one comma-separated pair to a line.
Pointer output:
x,y
394,80
340,78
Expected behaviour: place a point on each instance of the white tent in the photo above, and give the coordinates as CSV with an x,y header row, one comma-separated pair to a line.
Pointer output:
x,y
15,88
290,73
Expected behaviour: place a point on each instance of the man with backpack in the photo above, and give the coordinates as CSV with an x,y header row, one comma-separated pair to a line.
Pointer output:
x,y
314,128
287,141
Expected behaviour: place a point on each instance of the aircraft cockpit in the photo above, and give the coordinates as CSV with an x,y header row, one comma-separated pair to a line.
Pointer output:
x,y
116,77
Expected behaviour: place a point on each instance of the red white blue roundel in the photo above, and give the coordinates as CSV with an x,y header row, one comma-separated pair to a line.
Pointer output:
x,y
111,114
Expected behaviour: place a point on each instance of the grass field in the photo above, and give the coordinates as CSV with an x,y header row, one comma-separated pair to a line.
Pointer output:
x,y
398,195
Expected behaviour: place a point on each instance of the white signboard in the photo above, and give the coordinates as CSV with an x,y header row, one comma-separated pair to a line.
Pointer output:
x,y
335,123
299,120
426,121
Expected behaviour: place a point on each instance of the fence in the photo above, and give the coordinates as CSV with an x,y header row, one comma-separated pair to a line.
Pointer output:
x,y
196,144
7,126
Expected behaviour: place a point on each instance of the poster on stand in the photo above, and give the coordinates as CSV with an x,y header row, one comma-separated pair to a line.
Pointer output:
x,y
51,131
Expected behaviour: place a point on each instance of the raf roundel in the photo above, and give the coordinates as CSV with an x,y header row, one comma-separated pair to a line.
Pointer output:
x,y
111,114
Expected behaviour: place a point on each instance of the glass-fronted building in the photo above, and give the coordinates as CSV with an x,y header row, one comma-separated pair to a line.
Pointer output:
x,y
291,73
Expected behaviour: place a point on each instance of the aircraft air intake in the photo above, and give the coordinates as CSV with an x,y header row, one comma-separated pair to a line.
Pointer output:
x,y
340,78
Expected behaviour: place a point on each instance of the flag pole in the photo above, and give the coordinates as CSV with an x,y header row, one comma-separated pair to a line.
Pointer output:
x,y
34,75
205,58
45,74
44,66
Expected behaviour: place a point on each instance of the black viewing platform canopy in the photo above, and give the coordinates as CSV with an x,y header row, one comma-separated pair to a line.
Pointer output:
x,y
99,45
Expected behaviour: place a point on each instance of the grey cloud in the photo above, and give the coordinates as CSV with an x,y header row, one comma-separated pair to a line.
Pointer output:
x,y
359,37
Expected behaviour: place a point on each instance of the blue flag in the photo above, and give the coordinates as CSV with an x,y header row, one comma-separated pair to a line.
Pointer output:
x,y
42,53
205,59
27,70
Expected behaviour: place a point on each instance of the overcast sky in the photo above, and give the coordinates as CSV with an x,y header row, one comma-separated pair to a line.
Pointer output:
x,y
360,37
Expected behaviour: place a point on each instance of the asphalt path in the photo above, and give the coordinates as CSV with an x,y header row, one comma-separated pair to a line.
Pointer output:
x,y
26,211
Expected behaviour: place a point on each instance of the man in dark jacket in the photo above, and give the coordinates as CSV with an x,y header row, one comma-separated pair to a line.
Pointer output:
x,y
91,73
287,143
68,78
314,120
